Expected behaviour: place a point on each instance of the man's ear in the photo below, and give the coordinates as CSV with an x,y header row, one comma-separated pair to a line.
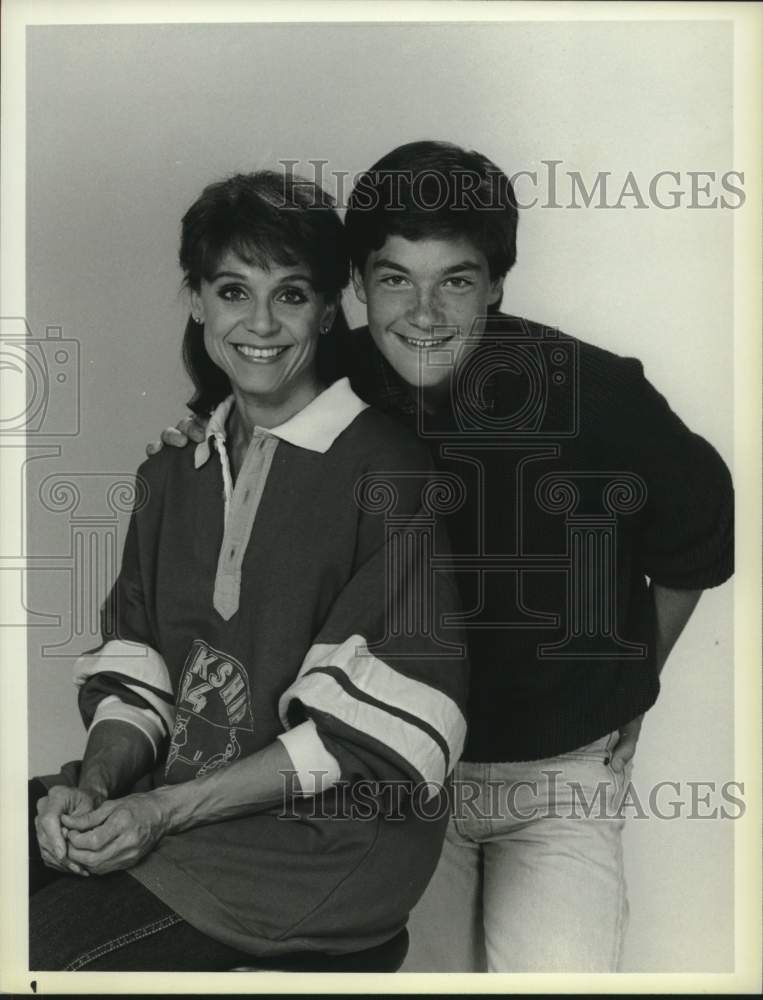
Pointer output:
x,y
359,285
197,308
496,290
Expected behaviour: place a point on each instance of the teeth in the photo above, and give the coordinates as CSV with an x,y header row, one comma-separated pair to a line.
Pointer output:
x,y
425,343
259,352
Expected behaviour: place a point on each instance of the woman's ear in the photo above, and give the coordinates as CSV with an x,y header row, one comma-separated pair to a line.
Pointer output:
x,y
329,315
359,285
197,307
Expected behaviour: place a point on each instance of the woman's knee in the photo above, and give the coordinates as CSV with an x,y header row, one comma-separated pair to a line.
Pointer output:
x,y
76,921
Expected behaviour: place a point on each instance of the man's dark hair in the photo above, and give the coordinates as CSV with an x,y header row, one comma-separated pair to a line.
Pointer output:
x,y
431,190
265,218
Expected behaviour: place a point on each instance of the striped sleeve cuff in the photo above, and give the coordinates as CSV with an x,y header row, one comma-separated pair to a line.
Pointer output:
x,y
420,725
316,768
144,719
139,668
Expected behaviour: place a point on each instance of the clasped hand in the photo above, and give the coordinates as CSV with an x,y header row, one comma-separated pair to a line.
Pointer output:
x,y
111,837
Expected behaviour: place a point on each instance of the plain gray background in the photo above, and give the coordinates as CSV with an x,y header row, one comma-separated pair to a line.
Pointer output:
x,y
125,124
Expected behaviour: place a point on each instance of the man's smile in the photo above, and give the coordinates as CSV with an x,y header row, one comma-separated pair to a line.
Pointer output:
x,y
418,343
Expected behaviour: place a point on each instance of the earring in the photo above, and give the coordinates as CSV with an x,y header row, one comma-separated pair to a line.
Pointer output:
x,y
198,320
324,329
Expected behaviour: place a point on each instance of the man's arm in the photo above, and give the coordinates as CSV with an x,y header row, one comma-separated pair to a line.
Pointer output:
x,y
673,609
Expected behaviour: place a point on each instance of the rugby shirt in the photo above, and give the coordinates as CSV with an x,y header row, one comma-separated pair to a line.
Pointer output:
x,y
245,613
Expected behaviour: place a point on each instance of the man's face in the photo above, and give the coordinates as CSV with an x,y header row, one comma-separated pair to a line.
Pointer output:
x,y
426,300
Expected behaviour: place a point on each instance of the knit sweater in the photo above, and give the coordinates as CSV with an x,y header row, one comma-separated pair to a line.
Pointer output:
x,y
581,486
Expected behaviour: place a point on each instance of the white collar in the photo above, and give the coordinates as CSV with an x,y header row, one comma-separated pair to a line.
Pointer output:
x,y
315,427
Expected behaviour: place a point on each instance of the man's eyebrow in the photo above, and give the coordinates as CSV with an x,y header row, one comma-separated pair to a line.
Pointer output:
x,y
386,262
464,265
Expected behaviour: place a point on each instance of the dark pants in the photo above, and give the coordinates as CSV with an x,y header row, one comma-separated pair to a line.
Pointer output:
x,y
110,923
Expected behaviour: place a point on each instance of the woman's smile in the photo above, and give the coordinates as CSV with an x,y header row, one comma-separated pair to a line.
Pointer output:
x,y
261,355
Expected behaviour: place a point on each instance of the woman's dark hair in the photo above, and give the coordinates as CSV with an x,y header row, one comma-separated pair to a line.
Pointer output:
x,y
264,218
434,190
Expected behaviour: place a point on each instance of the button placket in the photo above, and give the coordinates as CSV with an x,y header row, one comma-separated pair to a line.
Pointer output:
x,y
245,502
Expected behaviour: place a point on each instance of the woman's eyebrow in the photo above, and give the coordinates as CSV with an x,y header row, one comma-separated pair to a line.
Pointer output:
x,y
238,276
296,277
228,274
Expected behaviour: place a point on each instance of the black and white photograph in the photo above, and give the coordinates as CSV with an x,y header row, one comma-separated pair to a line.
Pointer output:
x,y
380,438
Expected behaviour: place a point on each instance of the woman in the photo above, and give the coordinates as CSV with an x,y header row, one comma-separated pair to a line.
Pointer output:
x,y
248,676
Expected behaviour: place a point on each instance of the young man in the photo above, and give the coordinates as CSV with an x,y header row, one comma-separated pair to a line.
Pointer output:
x,y
586,520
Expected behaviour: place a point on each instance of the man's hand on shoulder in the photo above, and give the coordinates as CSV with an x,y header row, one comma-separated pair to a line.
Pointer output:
x,y
190,428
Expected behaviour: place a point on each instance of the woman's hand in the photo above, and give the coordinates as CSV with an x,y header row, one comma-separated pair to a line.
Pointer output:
x,y
191,428
51,834
117,834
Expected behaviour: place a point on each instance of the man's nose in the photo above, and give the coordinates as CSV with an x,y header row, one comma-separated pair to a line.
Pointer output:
x,y
426,310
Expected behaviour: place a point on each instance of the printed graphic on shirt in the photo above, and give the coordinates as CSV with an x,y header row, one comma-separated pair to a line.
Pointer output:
x,y
214,707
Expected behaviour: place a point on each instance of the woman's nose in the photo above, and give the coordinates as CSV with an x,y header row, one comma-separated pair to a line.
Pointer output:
x,y
261,319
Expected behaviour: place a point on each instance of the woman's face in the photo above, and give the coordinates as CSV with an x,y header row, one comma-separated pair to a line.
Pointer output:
x,y
261,327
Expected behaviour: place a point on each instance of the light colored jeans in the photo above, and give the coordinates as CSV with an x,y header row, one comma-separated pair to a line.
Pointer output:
x,y
531,876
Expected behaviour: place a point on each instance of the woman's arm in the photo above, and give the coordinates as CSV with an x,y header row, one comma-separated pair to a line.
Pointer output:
x,y
260,781
116,755
120,832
